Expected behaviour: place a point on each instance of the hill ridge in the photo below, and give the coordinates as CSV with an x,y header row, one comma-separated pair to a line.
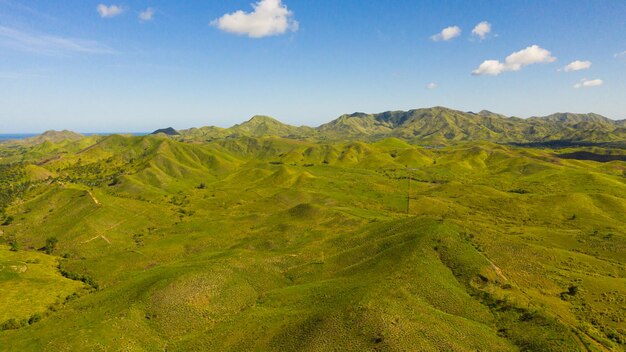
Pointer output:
x,y
436,125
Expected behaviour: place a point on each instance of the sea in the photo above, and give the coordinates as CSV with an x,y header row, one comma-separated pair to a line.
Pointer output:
x,y
16,136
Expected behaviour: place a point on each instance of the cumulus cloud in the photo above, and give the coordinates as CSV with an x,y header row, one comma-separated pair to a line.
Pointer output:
x,y
577,66
482,29
587,83
531,55
146,15
109,11
45,44
432,85
621,55
270,17
446,34
490,68
515,62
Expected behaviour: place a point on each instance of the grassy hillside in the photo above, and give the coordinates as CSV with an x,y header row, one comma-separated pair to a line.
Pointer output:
x,y
263,242
257,126
433,126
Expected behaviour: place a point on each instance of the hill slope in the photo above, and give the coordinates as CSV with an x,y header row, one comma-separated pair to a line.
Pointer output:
x,y
436,125
269,243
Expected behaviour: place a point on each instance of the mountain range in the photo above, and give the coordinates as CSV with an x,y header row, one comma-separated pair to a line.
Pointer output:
x,y
426,126
437,125
349,236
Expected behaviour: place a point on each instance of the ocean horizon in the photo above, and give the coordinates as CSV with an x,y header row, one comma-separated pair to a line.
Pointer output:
x,y
18,136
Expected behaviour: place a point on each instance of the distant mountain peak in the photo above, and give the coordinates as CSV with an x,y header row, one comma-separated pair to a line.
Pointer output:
x,y
261,125
437,125
487,113
571,118
168,131
263,118
57,133
358,114
53,136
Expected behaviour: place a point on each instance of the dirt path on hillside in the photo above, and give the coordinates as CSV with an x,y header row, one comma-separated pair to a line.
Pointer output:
x,y
496,268
91,195
95,200
101,235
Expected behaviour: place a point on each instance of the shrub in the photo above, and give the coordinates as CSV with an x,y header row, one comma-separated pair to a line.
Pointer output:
x,y
51,244
71,297
77,277
8,220
10,324
34,318
114,181
519,191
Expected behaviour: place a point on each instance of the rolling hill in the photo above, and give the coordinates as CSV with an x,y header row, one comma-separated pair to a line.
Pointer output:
x,y
438,125
358,235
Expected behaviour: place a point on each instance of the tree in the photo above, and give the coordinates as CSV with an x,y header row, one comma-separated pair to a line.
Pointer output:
x,y
34,318
10,324
114,181
7,221
51,244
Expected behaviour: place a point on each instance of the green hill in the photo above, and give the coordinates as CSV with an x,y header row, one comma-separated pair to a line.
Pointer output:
x,y
257,238
52,136
443,126
167,131
437,125
257,126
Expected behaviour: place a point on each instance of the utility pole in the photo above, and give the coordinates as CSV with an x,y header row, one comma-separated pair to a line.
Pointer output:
x,y
408,191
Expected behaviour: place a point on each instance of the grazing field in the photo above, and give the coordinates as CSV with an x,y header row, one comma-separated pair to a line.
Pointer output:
x,y
31,286
270,243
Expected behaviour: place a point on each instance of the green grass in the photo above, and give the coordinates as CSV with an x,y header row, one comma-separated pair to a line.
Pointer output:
x,y
306,245
30,284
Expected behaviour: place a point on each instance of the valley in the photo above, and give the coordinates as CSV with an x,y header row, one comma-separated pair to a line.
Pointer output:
x,y
266,236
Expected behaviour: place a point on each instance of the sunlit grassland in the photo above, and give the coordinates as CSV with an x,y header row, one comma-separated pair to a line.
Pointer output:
x,y
278,244
31,284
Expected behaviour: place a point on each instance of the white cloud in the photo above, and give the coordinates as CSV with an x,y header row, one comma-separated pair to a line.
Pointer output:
x,y
531,55
482,29
270,17
432,85
515,62
621,55
109,11
577,66
48,44
146,15
586,83
446,34
489,67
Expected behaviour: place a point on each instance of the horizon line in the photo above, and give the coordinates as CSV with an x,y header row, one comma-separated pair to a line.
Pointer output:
x,y
352,113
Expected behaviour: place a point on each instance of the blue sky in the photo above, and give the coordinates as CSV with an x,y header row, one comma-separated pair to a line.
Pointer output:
x,y
138,65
